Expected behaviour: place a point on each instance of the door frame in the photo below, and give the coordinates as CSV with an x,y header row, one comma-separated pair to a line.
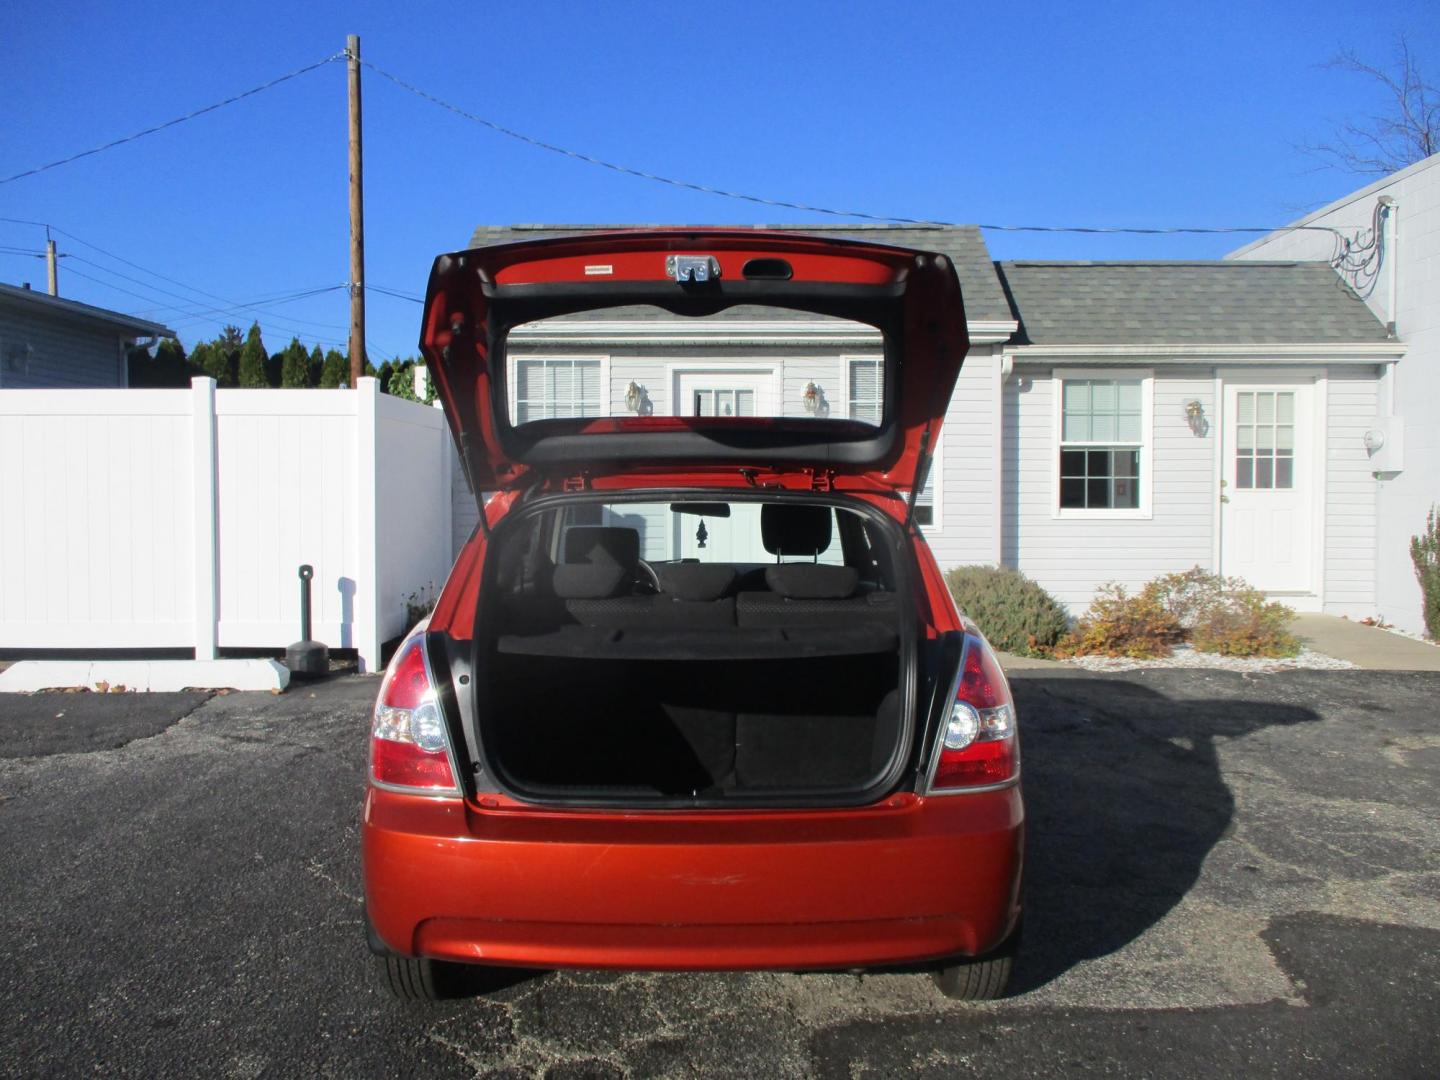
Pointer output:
x,y
1280,378
747,366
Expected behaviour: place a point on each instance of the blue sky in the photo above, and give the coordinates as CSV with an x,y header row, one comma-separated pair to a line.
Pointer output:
x,y
1160,114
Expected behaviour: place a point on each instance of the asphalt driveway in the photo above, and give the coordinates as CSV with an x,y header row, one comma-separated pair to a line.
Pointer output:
x,y
1228,875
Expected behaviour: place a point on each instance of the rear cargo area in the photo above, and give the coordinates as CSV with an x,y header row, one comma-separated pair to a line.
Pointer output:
x,y
608,676
703,728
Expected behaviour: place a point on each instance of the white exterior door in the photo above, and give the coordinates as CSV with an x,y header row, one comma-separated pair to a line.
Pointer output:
x,y
1267,492
721,392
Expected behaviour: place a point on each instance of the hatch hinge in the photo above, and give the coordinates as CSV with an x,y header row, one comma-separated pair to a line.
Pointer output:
x,y
821,479
578,482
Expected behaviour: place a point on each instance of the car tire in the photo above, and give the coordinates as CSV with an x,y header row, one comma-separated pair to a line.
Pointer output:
x,y
410,978
977,980
983,978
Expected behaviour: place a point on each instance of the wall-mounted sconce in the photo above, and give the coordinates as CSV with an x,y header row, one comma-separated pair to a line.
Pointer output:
x,y
814,400
637,400
1195,417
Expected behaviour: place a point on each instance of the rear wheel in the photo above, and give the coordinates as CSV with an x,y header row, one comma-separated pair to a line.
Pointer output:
x,y
984,978
977,980
412,979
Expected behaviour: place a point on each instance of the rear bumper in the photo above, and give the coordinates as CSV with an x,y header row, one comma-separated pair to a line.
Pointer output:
x,y
908,880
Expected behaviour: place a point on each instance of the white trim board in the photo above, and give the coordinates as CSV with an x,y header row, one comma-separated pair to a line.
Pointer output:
x,y
1369,352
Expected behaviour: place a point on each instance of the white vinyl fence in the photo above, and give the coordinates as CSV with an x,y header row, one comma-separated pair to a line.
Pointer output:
x,y
146,519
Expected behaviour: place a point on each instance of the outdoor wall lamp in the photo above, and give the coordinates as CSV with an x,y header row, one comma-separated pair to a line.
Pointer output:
x,y
637,400
1374,440
1195,416
814,400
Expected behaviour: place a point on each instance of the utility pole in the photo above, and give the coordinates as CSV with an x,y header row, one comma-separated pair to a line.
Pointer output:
x,y
357,218
52,265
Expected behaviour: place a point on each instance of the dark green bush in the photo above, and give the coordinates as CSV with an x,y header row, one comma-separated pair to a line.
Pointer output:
x,y
1013,612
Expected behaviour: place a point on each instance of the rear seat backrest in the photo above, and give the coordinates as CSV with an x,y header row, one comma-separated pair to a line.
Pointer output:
x,y
600,562
806,594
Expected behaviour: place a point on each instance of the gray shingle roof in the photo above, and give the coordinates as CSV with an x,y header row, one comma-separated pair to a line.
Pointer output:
x,y
1211,303
984,298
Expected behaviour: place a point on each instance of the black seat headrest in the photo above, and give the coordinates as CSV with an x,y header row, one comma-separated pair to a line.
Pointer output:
x,y
599,563
603,544
794,530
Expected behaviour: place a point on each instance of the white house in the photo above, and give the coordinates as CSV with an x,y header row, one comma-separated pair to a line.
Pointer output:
x,y
1113,421
1393,226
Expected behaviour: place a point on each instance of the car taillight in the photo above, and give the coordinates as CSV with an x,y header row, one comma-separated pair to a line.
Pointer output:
x,y
978,747
409,746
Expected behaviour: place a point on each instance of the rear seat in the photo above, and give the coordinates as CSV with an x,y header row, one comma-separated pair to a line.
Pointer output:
x,y
806,594
591,588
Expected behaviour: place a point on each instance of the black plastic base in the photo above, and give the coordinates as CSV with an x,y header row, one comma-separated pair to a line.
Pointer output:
x,y
308,658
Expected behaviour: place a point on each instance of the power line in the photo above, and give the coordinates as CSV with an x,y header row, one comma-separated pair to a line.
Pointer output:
x,y
785,204
194,317
396,293
231,306
235,306
171,123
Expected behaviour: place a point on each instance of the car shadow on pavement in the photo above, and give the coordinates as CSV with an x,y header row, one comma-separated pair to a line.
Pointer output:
x,y
1124,800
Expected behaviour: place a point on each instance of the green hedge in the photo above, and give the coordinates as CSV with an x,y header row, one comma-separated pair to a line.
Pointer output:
x,y
1013,612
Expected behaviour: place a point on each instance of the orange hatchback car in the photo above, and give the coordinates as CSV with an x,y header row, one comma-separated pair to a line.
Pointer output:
x,y
695,695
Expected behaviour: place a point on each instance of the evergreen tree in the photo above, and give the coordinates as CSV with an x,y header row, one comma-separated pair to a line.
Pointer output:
x,y
167,368
336,372
313,366
294,366
211,360
402,381
253,359
230,342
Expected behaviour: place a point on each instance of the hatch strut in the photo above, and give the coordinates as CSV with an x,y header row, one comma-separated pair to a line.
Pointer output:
x,y
922,473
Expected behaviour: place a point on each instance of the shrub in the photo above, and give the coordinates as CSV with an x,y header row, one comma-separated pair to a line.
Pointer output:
x,y
1187,595
1214,614
1243,623
1118,624
1015,613
1425,554
1225,615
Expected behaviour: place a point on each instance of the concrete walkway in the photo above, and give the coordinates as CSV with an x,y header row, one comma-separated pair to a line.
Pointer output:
x,y
1365,646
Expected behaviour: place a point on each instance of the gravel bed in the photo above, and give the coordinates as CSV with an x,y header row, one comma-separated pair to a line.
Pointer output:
x,y
1186,657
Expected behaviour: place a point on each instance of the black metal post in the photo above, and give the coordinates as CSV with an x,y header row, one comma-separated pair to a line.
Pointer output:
x,y
306,573
307,657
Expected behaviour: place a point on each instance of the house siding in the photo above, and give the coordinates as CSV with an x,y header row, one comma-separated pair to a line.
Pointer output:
x,y
64,353
967,481
1351,526
1072,557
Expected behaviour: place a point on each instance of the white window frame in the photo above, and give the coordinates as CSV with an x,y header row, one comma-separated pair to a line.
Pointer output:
x,y
1145,511
512,382
934,482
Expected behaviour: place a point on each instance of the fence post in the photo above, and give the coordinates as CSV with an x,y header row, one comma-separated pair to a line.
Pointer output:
x,y
367,476
202,457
